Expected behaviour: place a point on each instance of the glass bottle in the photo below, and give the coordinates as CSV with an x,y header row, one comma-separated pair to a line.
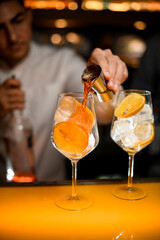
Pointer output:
x,y
19,146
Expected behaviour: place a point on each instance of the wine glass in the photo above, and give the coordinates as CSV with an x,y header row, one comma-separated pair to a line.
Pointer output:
x,y
132,129
75,134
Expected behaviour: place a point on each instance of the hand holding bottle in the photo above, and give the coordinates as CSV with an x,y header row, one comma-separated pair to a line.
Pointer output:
x,y
18,134
11,96
19,145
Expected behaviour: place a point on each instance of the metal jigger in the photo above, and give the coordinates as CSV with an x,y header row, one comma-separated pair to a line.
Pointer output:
x,y
94,74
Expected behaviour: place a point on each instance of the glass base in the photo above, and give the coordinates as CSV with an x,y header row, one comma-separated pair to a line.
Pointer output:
x,y
68,203
129,193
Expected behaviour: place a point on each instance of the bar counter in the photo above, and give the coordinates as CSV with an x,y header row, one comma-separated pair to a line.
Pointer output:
x,y
28,211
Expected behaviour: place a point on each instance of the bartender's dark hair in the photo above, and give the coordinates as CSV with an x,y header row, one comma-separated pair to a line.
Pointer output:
x,y
20,1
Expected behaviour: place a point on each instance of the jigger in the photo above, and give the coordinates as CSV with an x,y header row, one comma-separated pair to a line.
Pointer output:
x,y
94,74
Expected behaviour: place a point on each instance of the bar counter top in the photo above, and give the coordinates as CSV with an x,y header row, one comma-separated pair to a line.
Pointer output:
x,y
29,212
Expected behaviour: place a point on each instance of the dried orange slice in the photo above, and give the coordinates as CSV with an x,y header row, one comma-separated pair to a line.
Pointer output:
x,y
70,137
83,117
130,105
145,133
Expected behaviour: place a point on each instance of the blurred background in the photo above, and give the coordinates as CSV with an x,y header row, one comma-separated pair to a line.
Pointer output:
x,y
124,27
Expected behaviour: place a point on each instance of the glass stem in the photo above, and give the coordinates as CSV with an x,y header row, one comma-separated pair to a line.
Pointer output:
x,y
130,170
74,180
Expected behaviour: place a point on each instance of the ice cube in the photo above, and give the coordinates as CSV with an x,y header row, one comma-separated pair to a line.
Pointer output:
x,y
121,127
129,139
144,115
66,109
91,143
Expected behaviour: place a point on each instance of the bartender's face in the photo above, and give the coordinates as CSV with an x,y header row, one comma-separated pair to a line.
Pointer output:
x,y
15,32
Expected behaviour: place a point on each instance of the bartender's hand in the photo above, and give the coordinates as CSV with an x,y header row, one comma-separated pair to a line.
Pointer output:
x,y
113,68
11,97
115,72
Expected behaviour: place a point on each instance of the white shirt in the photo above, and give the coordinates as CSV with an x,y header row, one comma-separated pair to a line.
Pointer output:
x,y
46,72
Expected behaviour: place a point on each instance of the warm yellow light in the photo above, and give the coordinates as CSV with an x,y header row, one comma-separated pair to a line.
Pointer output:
x,y
95,5
40,4
140,25
92,5
61,23
136,6
137,46
72,6
60,5
144,5
119,7
46,4
154,6
73,38
57,39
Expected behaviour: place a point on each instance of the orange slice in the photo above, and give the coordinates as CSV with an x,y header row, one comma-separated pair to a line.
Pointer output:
x,y
145,133
130,105
83,117
70,137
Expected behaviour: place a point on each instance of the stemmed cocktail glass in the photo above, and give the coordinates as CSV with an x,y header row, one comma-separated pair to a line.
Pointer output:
x,y
132,129
74,134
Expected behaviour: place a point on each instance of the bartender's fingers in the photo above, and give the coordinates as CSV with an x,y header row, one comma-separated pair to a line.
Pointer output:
x,y
10,99
113,68
16,100
7,106
14,92
98,57
118,72
15,97
12,83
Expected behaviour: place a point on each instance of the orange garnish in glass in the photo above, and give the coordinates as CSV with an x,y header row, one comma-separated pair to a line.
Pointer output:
x,y
145,133
70,137
83,117
130,105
